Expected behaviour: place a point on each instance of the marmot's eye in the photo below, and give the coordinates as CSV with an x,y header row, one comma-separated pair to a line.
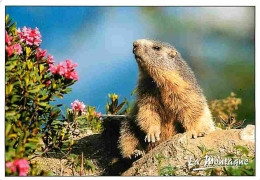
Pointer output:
x,y
157,48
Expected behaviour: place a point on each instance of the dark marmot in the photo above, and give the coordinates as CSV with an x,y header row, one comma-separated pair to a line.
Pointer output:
x,y
169,100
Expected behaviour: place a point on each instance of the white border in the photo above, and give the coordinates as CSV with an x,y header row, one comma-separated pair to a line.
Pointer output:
x,y
4,3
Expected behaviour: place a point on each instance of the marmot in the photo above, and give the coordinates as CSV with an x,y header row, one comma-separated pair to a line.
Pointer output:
x,y
169,100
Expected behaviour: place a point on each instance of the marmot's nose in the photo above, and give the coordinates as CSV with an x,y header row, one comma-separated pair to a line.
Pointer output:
x,y
135,44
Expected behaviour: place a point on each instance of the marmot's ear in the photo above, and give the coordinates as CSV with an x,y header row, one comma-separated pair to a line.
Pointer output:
x,y
172,53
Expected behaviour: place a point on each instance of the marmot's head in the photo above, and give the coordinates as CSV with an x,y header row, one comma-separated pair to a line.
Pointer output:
x,y
154,54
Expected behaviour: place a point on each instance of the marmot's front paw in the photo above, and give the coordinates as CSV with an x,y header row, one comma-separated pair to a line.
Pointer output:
x,y
137,153
154,134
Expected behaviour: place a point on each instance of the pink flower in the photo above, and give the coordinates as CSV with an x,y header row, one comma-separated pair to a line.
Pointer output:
x,y
78,106
9,50
36,34
23,166
17,48
72,75
10,165
41,54
61,68
29,36
50,59
8,39
70,65
52,68
23,173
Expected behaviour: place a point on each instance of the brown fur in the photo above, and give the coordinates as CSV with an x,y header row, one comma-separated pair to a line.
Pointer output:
x,y
169,100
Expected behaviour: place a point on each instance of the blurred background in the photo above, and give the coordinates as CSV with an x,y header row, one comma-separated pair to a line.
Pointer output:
x,y
217,42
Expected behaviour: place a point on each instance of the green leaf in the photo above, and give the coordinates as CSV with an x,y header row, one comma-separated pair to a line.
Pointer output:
x,y
230,155
202,148
13,26
31,145
54,139
14,58
15,98
10,113
53,85
44,97
36,90
58,105
243,149
7,128
119,107
69,83
41,68
66,91
58,96
6,18
29,63
73,155
10,67
43,104
134,91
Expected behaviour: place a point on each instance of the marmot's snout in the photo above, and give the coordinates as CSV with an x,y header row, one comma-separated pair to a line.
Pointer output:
x,y
135,46
138,47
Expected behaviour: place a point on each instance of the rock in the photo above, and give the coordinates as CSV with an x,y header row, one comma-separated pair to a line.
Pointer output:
x,y
248,134
89,132
182,152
